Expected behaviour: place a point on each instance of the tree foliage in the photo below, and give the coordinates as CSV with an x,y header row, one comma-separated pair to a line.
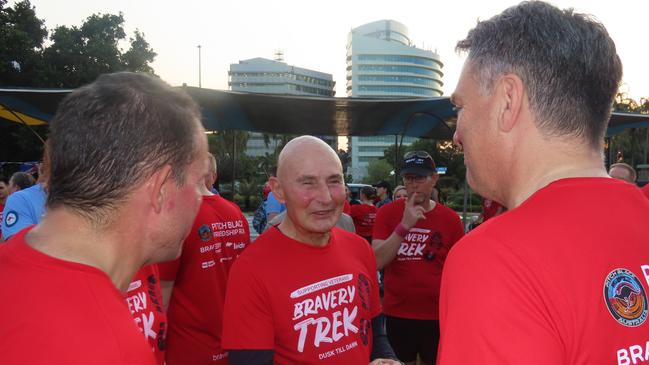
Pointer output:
x,y
632,144
378,170
70,57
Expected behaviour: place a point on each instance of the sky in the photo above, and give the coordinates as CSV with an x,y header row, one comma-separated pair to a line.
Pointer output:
x,y
313,34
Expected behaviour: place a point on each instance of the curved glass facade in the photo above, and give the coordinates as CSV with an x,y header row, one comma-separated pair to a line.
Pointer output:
x,y
401,80
403,69
418,91
398,58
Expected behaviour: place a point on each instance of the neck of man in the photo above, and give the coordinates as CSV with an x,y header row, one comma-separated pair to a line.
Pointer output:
x,y
64,235
537,167
428,204
316,239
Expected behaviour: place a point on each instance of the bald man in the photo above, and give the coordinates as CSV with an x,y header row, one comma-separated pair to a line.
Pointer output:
x,y
306,292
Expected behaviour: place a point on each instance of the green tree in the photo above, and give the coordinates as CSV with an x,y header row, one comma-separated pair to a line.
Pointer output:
x,y
632,144
377,170
139,56
22,35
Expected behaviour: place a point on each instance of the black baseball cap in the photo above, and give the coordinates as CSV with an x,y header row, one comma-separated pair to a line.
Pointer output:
x,y
418,163
382,184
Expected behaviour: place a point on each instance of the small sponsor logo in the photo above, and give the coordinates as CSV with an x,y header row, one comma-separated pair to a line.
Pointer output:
x,y
625,298
134,285
204,232
11,218
208,264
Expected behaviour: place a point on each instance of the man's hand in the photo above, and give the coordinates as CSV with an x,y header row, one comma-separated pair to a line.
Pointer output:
x,y
386,362
411,212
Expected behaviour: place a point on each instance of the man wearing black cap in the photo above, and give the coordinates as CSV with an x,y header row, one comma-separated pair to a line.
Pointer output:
x,y
411,240
384,192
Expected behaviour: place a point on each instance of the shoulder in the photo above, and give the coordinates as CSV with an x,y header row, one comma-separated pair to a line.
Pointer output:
x,y
446,211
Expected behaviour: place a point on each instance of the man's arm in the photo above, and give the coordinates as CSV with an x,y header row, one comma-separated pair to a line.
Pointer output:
x,y
381,349
386,250
16,216
250,357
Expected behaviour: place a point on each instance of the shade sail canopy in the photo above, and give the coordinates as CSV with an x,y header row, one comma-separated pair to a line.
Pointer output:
x,y
281,114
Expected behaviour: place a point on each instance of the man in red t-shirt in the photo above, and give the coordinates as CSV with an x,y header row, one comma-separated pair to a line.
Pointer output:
x,y
490,209
127,155
305,292
411,240
364,214
144,300
562,277
198,278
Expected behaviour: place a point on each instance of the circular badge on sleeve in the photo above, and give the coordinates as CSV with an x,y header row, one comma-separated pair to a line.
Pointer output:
x,y
625,298
11,218
204,232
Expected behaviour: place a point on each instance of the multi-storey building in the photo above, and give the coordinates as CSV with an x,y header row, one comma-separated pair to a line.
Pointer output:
x,y
382,62
260,75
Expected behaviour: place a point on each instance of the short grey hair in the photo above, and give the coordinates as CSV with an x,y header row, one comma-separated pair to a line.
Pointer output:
x,y
567,61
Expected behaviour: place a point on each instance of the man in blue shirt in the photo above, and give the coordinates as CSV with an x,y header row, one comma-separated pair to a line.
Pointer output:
x,y
273,207
24,208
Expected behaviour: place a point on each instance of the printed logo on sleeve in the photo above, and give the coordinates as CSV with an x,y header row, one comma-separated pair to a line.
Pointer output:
x,y
625,298
204,232
11,218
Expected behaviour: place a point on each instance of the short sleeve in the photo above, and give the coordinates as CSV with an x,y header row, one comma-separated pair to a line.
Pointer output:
x,y
273,205
490,311
247,316
16,216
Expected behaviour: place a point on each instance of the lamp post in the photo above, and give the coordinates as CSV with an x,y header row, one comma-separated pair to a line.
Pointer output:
x,y
199,65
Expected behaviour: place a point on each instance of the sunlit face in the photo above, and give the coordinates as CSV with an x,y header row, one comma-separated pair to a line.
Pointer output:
x,y
475,132
182,206
4,190
401,194
314,193
421,185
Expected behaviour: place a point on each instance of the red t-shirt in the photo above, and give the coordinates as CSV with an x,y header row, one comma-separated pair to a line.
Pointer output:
x,y
363,216
561,279
55,311
219,234
347,208
411,280
645,190
311,305
144,300
489,209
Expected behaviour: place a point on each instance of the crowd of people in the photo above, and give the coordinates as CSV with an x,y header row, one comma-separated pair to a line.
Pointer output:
x,y
122,253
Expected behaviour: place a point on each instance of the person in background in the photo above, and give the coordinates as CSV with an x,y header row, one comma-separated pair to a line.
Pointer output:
x,y
561,278
127,157
195,283
20,181
623,172
364,214
25,205
4,193
411,240
210,178
400,192
383,193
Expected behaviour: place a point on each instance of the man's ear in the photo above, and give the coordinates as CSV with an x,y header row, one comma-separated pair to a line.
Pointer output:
x,y
434,177
511,92
277,190
157,187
